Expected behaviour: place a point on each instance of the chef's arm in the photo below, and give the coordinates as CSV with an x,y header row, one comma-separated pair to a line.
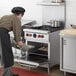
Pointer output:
x,y
17,32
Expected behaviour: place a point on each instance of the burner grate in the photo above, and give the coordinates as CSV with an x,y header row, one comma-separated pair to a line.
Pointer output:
x,y
48,28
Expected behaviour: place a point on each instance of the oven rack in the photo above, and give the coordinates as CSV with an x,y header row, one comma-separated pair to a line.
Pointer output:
x,y
32,58
37,58
39,52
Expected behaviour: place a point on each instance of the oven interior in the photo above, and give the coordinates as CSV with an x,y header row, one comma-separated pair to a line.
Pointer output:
x,y
37,54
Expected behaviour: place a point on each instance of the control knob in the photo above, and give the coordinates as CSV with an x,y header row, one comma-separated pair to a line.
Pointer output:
x,y
34,35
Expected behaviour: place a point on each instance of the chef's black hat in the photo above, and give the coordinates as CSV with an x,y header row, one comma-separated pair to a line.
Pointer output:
x,y
18,10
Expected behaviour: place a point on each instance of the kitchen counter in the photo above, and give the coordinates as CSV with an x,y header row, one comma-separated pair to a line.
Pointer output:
x,y
69,31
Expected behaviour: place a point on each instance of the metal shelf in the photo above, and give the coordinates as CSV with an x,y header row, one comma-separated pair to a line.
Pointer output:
x,y
50,4
39,53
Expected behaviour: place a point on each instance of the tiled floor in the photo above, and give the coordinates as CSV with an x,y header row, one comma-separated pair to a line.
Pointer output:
x,y
54,71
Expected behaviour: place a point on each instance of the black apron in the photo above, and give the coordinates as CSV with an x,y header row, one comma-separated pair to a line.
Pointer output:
x,y
7,54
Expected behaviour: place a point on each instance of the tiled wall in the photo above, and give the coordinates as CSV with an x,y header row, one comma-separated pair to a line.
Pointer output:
x,y
71,12
41,13
33,11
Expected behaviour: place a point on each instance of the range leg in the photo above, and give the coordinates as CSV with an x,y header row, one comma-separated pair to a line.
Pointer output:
x,y
48,68
49,58
64,73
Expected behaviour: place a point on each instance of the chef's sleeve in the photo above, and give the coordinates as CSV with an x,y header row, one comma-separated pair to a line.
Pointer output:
x,y
17,30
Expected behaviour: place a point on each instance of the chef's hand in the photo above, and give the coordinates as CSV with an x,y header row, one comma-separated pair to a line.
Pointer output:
x,y
20,43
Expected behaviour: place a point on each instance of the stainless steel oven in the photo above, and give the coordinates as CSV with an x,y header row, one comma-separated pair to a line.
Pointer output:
x,y
45,53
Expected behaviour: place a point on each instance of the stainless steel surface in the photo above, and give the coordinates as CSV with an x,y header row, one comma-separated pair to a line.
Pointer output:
x,y
45,38
73,26
67,53
55,23
57,1
42,36
28,63
28,22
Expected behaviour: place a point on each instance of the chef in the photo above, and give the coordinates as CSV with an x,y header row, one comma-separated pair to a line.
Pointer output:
x,y
9,23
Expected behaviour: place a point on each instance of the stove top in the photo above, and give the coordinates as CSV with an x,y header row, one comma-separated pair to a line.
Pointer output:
x,y
48,28
44,27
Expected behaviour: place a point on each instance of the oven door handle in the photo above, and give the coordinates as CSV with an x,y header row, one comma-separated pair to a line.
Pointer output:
x,y
26,63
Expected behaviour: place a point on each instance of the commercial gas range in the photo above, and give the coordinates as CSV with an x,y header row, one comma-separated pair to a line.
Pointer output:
x,y
45,40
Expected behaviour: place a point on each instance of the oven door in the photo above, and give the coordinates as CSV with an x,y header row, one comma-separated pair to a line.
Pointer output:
x,y
34,57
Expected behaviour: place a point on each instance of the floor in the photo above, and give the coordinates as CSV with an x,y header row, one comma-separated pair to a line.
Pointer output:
x,y
54,71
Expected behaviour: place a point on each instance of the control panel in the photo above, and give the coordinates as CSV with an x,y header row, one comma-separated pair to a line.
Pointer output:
x,y
38,37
